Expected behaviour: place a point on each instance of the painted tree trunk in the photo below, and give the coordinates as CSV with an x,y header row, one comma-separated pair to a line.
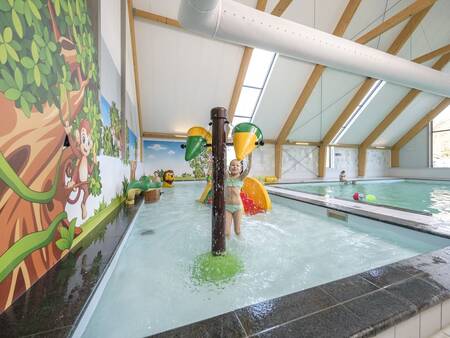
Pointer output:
x,y
33,148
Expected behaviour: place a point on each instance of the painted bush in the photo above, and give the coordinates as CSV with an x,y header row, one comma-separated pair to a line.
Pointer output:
x,y
48,90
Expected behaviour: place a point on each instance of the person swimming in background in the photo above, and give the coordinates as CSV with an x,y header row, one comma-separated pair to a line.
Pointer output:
x,y
233,203
343,177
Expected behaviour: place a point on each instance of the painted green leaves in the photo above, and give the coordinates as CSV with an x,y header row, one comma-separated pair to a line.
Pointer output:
x,y
29,30
6,46
13,87
67,235
28,52
95,182
41,60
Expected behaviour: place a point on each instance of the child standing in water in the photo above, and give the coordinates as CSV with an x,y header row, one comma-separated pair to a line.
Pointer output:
x,y
233,203
343,177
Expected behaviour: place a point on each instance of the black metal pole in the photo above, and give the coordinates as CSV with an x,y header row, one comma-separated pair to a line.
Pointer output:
x,y
219,119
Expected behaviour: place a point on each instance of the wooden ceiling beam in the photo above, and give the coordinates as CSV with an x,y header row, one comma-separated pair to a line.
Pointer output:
x,y
171,136
400,107
394,20
279,9
367,85
156,18
135,68
339,30
369,82
391,117
342,25
431,55
278,160
410,134
412,10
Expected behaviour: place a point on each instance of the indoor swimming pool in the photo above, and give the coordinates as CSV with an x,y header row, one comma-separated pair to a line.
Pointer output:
x,y
294,247
418,195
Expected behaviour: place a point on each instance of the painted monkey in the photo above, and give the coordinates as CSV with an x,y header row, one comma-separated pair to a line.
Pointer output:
x,y
79,173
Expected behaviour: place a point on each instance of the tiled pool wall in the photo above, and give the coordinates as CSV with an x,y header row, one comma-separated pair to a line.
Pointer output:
x,y
423,325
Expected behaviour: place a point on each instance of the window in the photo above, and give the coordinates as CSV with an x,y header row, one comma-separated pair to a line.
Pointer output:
x,y
258,73
359,109
440,140
329,163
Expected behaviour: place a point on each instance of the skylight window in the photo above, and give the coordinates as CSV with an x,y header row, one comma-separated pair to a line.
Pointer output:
x,y
247,101
255,81
359,109
258,68
440,140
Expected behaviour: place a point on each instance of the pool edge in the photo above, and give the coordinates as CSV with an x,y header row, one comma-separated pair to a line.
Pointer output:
x,y
403,218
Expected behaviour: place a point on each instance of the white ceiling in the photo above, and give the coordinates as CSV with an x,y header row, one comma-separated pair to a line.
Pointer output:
x,y
182,76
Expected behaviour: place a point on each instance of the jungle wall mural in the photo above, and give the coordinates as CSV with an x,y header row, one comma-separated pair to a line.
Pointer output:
x,y
55,138
160,156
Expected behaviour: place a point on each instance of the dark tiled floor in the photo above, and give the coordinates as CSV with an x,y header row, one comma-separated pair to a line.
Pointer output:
x,y
418,292
334,322
51,306
379,308
348,288
277,311
384,275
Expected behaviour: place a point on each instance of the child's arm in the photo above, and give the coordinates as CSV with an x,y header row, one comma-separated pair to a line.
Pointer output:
x,y
249,166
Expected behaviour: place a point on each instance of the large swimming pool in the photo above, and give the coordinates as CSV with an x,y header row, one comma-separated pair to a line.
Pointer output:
x,y
294,247
418,195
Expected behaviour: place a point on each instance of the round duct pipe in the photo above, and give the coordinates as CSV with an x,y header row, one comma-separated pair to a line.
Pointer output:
x,y
231,21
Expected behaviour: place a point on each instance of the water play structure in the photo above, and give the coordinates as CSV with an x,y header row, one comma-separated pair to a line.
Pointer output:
x,y
246,137
218,265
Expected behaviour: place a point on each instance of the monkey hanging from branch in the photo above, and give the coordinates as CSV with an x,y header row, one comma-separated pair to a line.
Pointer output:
x,y
80,171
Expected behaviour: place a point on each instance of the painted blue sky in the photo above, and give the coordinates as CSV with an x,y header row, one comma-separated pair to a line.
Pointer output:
x,y
132,141
165,155
104,108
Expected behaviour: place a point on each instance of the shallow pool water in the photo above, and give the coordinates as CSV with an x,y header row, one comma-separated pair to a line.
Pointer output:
x,y
294,247
419,195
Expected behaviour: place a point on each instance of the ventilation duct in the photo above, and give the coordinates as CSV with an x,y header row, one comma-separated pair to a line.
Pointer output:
x,y
236,23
